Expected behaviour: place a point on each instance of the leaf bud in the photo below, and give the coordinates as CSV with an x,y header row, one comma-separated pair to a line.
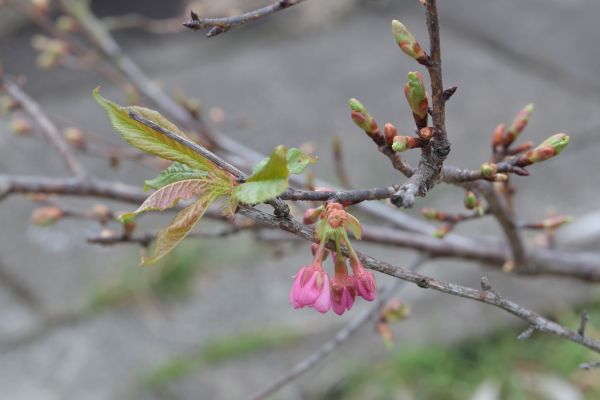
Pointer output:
x,y
408,43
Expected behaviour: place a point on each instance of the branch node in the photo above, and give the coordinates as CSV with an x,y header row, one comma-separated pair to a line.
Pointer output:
x,y
526,334
585,316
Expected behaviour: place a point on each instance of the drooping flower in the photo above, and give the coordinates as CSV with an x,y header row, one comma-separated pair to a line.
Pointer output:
x,y
343,291
311,287
364,280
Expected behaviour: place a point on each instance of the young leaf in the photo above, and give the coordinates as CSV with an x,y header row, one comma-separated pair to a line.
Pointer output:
x,y
173,173
168,238
354,226
268,180
169,195
146,139
297,161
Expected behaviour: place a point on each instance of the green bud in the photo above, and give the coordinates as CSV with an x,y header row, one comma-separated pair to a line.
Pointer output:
x,y
519,124
415,94
408,43
362,118
430,213
488,170
547,149
471,201
400,143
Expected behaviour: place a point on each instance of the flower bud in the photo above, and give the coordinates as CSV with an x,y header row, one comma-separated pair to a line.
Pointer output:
x,y
442,231
75,136
488,170
498,135
518,125
430,213
471,201
395,311
311,215
415,94
362,118
403,143
65,23
408,43
426,133
47,215
500,178
389,133
7,104
19,126
547,149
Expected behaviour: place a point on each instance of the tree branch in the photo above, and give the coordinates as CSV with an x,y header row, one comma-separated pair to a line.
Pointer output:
x,y
48,128
223,24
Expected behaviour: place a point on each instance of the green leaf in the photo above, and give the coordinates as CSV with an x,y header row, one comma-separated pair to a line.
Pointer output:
x,y
173,173
168,238
353,225
268,180
146,139
168,196
297,161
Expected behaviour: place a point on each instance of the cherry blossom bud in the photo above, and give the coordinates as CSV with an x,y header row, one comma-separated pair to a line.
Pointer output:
x,y
518,125
547,149
403,143
362,118
488,170
442,231
47,215
498,135
415,94
430,213
408,43
75,136
389,133
471,200
19,126
426,133
312,215
556,221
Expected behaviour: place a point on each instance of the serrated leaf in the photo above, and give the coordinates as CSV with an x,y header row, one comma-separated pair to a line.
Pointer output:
x,y
353,225
297,161
169,195
268,181
146,139
174,173
168,238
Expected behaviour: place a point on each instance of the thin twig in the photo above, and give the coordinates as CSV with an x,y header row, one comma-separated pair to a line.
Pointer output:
x,y
340,337
433,154
48,128
425,282
223,24
579,265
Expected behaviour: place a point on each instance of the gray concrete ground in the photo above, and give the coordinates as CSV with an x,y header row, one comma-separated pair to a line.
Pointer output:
x,y
288,80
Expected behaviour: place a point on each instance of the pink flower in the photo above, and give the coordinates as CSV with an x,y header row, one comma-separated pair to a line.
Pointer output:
x,y
364,280
343,291
311,287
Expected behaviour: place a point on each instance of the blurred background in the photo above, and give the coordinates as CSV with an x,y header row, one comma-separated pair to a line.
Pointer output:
x,y
212,321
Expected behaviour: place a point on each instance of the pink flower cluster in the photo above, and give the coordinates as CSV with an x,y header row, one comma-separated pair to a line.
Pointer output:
x,y
313,288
